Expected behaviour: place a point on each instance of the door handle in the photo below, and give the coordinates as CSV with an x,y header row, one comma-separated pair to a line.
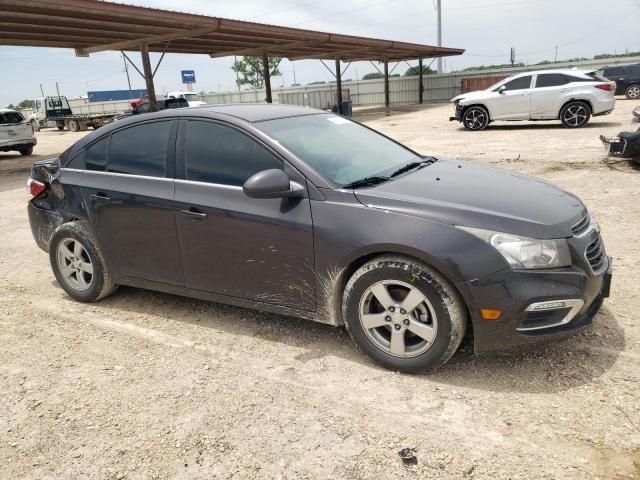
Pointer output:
x,y
100,197
194,213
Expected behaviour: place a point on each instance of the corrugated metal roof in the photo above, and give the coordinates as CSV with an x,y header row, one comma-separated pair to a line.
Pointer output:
x,y
90,26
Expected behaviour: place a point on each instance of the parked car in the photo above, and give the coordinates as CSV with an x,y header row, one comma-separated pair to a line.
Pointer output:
x,y
16,133
293,210
570,96
161,102
627,78
192,98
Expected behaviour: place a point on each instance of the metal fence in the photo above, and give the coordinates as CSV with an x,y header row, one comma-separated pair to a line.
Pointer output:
x,y
402,90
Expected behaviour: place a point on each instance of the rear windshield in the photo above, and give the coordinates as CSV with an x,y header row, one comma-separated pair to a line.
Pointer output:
x,y
10,117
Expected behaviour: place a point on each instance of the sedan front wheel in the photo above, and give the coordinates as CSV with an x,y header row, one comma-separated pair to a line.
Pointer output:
x,y
403,314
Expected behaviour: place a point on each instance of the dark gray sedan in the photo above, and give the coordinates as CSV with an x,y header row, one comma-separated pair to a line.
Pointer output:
x,y
304,213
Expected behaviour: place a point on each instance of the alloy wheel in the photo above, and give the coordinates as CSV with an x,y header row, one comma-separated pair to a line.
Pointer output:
x,y
475,119
398,318
75,264
633,91
576,115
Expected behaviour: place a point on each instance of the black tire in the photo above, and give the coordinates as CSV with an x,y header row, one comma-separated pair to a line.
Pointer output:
x,y
475,118
575,114
26,151
633,91
448,318
74,125
101,282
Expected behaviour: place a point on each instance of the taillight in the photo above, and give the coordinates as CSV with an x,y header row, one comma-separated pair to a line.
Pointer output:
x,y
607,87
35,187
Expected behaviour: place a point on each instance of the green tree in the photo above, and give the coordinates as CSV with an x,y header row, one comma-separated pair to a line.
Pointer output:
x,y
414,71
249,71
11,107
373,76
26,104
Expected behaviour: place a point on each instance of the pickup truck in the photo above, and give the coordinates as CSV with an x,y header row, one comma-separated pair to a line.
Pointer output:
x,y
56,112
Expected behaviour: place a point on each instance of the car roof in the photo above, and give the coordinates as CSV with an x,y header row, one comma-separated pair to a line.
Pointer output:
x,y
5,110
564,71
255,112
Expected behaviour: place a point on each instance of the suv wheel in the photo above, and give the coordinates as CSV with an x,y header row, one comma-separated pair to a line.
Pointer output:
x,y
403,314
26,151
475,118
575,114
633,92
78,263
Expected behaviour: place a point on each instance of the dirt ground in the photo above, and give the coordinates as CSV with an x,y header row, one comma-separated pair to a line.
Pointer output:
x,y
151,386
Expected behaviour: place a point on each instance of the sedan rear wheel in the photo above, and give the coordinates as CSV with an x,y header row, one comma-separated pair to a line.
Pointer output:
x,y
403,314
475,118
78,263
632,92
575,114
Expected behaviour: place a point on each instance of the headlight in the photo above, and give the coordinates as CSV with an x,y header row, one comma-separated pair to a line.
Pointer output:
x,y
524,252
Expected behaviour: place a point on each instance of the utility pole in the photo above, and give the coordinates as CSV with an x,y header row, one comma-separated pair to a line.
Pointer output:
x,y
555,59
439,8
126,70
293,66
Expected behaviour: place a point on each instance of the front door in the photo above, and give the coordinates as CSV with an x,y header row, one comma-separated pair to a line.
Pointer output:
x,y
128,188
255,249
513,102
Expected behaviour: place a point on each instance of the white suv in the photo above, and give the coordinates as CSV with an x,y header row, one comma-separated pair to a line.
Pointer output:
x,y
16,132
570,96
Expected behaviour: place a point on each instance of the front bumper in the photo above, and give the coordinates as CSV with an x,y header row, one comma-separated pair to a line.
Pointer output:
x,y
513,291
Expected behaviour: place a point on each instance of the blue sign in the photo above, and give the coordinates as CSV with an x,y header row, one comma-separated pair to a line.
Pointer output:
x,y
188,76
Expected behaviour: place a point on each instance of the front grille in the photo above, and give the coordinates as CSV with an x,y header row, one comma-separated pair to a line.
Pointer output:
x,y
596,255
582,226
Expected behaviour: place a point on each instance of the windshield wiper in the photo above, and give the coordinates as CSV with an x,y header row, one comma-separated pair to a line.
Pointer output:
x,y
366,182
412,165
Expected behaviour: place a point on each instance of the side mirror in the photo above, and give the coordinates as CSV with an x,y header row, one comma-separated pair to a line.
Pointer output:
x,y
272,183
502,89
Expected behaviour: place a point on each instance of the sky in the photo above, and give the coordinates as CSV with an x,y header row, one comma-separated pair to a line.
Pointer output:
x,y
487,29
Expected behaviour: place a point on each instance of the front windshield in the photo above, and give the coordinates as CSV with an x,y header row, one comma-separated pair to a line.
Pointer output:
x,y
191,97
339,149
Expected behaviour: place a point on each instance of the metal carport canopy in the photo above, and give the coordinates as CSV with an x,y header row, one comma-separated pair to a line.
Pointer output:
x,y
90,26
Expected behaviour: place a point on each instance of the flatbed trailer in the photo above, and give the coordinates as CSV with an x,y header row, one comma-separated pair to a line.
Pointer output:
x,y
56,112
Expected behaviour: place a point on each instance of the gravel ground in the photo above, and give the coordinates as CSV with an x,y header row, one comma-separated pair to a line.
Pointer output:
x,y
151,386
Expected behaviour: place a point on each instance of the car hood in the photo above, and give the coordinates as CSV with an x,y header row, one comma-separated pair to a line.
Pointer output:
x,y
460,193
478,94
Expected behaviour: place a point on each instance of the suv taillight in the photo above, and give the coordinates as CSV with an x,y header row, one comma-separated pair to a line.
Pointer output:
x,y
607,87
35,187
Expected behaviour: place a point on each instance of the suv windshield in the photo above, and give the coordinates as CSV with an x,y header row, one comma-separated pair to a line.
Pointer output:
x,y
339,149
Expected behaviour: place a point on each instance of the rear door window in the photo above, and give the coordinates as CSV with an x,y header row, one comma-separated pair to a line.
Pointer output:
x,y
140,150
218,154
96,155
551,80
520,83
613,72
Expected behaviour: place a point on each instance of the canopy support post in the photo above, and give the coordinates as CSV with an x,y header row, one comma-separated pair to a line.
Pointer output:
x,y
148,75
420,87
386,86
339,86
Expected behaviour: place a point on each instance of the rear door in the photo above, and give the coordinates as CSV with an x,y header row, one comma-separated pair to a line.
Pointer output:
x,y
128,188
550,92
514,102
250,248
14,129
